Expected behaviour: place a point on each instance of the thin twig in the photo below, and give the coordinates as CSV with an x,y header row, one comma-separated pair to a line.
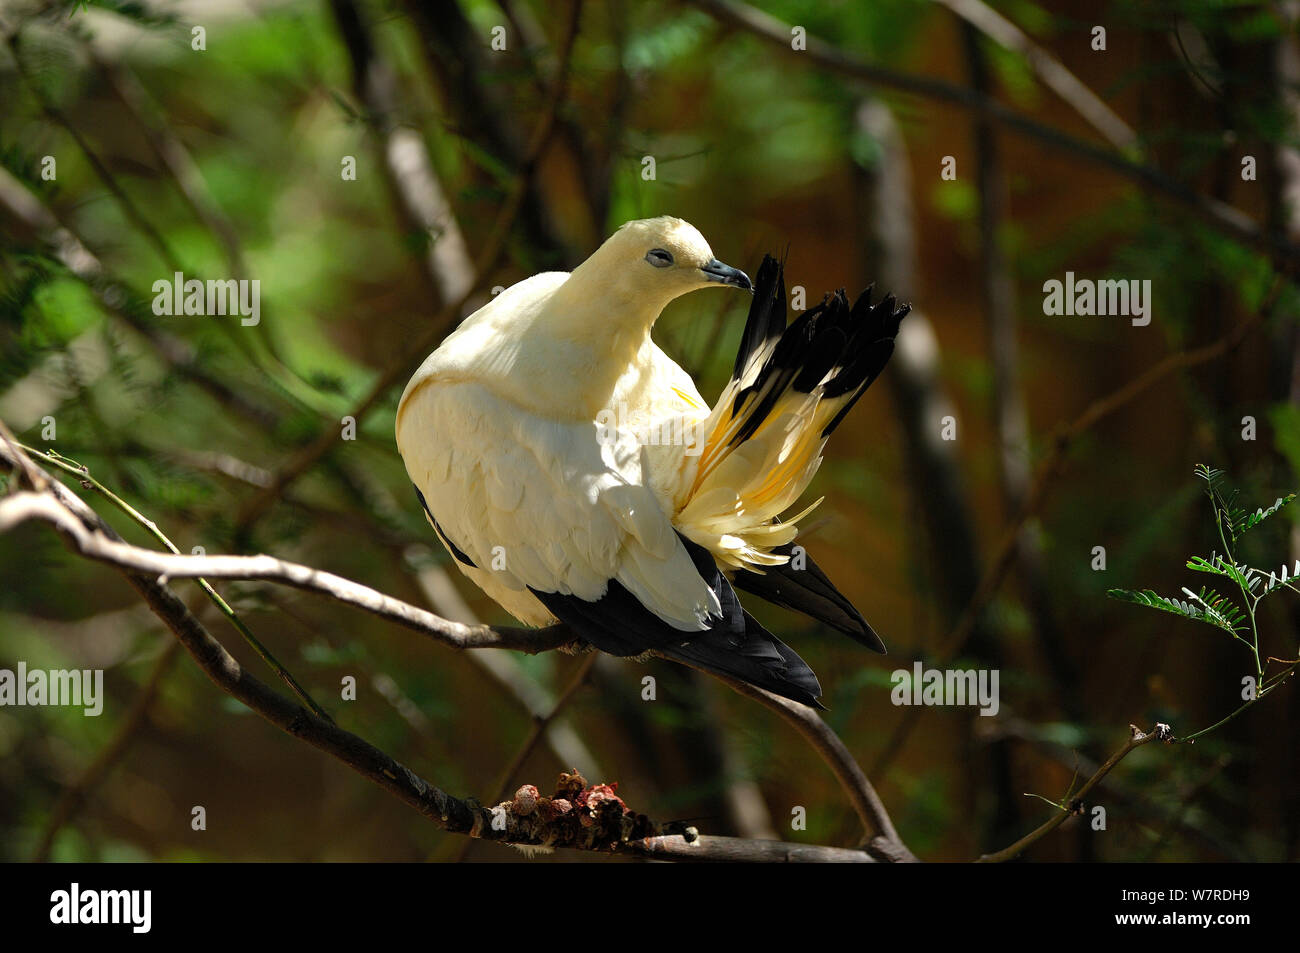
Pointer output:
x,y
883,841
540,725
734,849
21,507
83,474
1050,71
1136,740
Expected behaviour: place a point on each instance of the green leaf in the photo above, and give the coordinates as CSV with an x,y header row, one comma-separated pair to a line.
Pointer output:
x,y
1208,607
1251,520
1212,477
1273,580
1226,511
1222,567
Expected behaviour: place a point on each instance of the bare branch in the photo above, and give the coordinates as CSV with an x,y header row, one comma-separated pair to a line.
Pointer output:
x,y
21,507
733,849
507,671
408,170
1137,739
884,841
1223,217
1051,71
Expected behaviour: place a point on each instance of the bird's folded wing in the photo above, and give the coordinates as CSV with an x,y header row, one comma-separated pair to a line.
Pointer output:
x,y
551,506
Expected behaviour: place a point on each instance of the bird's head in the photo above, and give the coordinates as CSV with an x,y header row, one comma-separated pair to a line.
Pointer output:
x,y
662,258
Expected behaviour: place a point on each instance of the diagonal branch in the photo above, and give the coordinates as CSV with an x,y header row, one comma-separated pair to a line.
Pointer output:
x,y
884,841
1136,740
1221,216
1049,70
608,829
24,506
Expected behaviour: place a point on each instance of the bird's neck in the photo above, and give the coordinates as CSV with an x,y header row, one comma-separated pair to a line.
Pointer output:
x,y
601,338
591,302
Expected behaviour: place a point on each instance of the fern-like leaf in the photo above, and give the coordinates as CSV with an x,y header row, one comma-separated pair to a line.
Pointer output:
x,y
1222,567
1208,607
1226,511
1219,610
1212,477
1273,580
1251,520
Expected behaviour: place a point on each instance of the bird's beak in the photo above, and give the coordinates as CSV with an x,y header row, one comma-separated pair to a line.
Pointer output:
x,y
717,271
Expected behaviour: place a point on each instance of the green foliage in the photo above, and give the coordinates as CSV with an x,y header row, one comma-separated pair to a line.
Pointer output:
x,y
1251,520
1232,518
1207,606
1238,618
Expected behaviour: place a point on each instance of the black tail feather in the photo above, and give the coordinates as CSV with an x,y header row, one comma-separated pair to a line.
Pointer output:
x,y
837,347
735,645
810,591
749,658
836,350
840,347
767,313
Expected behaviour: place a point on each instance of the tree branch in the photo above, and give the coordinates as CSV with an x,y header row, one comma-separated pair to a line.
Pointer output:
x,y
731,849
883,840
21,507
1221,216
1049,70
606,828
1075,806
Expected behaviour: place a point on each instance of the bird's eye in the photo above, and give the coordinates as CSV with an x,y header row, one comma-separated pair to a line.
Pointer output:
x,y
659,258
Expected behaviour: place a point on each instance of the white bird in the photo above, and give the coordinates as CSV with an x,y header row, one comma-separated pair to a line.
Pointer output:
x,y
574,472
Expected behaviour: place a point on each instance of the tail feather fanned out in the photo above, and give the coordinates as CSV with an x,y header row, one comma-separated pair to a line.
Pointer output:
x,y
793,383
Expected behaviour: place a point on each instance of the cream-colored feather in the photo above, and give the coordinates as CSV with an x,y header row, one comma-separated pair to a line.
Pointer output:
x,y
558,448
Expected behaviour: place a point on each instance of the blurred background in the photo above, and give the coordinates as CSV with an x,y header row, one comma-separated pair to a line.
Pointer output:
x,y
489,141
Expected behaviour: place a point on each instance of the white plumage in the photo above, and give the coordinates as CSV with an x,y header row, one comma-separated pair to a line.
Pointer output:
x,y
564,458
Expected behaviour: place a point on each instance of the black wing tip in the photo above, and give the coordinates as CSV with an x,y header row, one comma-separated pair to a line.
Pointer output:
x,y
810,591
872,640
793,679
735,645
